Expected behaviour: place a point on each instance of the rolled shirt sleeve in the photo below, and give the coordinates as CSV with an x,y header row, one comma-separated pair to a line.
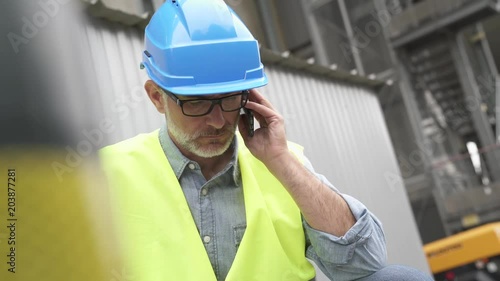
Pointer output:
x,y
358,253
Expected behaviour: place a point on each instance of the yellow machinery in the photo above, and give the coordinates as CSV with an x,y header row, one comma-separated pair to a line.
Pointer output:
x,y
470,255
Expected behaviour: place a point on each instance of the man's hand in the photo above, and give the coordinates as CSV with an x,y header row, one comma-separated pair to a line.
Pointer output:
x,y
323,208
269,142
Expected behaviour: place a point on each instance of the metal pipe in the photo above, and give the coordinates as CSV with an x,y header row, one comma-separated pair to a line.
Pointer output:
x,y
350,34
479,118
494,71
320,52
265,8
497,108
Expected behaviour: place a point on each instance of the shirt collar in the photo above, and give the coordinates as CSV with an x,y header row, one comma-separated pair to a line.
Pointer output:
x,y
179,162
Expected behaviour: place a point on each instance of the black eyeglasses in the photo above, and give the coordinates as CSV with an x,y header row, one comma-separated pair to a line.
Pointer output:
x,y
200,107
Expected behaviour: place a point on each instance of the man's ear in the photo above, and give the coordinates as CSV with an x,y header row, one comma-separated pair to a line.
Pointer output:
x,y
155,96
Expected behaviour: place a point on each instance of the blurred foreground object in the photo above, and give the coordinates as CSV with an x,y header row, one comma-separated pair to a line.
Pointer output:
x,y
54,216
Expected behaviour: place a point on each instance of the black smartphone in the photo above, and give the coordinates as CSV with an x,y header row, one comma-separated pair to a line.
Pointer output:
x,y
249,121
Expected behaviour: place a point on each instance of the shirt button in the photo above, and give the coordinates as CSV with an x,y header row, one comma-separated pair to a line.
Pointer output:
x,y
206,239
191,166
204,191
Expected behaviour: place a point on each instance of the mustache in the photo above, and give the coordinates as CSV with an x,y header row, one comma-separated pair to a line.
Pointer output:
x,y
214,132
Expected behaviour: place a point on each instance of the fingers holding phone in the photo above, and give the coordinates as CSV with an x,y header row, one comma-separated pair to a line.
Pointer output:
x,y
249,121
269,139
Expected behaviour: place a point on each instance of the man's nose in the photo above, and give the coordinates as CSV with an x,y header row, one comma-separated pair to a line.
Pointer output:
x,y
216,117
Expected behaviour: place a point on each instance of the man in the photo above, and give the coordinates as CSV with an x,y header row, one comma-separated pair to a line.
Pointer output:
x,y
195,202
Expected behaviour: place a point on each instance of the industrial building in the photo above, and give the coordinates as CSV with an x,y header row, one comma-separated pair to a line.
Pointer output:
x,y
397,102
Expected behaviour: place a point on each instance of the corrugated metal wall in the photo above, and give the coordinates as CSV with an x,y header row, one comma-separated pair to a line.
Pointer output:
x,y
341,126
343,130
115,51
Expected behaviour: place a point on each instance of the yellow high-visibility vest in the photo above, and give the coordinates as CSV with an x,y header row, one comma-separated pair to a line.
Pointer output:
x,y
158,234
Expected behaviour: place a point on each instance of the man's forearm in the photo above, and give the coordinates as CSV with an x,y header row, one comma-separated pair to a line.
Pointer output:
x,y
322,208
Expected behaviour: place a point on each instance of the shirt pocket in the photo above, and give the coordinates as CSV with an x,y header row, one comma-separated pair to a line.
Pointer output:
x,y
238,232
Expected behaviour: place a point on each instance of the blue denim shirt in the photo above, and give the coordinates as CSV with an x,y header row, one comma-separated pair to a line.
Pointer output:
x,y
218,210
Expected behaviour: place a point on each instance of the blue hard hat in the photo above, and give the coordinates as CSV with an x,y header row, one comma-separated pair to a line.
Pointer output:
x,y
201,47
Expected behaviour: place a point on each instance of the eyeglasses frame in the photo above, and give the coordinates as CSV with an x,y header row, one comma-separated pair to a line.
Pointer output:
x,y
214,102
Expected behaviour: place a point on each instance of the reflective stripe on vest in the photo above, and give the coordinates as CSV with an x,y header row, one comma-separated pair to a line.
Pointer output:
x,y
159,237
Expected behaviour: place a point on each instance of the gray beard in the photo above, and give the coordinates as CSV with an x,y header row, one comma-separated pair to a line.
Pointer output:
x,y
188,142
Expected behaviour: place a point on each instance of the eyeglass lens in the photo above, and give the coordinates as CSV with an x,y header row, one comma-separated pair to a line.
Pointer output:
x,y
204,106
